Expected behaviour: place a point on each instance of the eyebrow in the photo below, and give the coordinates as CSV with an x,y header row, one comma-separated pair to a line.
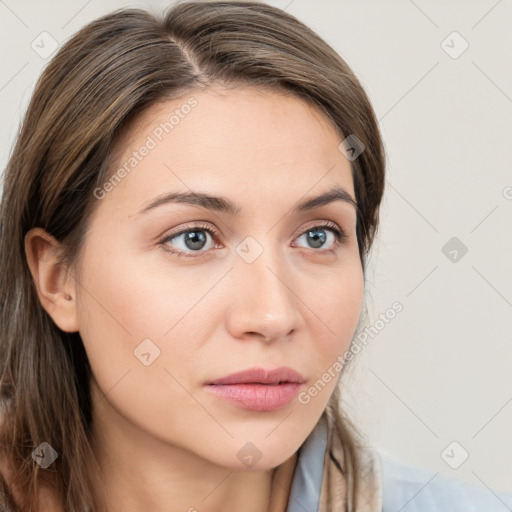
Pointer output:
x,y
221,204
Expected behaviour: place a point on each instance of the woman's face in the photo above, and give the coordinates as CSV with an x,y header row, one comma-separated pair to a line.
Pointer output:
x,y
175,294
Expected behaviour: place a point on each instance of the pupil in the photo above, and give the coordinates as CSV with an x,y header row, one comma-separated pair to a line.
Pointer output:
x,y
195,239
318,237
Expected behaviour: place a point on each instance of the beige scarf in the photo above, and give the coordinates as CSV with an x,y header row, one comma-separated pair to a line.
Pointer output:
x,y
333,497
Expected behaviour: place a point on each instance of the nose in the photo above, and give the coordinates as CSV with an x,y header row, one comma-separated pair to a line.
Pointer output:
x,y
264,304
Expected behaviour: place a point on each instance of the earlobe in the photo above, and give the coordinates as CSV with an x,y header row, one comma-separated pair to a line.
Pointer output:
x,y
55,287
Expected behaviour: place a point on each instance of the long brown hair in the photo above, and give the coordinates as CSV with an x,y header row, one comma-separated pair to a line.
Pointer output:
x,y
106,74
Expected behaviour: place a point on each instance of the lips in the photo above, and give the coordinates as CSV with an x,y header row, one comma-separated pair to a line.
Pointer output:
x,y
258,389
261,376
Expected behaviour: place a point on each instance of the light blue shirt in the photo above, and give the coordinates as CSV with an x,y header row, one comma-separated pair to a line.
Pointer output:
x,y
405,488
411,489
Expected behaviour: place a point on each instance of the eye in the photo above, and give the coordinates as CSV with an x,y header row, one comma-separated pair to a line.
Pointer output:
x,y
316,236
194,238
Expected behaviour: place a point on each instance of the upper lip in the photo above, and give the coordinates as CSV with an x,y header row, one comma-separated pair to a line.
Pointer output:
x,y
261,376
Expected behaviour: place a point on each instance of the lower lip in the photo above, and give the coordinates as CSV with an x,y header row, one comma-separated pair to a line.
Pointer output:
x,y
257,397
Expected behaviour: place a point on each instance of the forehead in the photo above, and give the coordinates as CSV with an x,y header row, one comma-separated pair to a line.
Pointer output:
x,y
243,139
259,111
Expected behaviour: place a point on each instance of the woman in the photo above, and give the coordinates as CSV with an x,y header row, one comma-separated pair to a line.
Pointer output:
x,y
185,220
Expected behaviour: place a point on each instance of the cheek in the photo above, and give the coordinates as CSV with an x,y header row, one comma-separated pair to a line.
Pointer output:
x,y
338,303
126,301
132,313
335,314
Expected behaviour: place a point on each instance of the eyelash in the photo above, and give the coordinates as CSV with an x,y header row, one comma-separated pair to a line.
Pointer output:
x,y
339,235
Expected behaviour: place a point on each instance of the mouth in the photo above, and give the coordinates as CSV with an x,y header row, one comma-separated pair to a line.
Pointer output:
x,y
262,376
257,396
258,389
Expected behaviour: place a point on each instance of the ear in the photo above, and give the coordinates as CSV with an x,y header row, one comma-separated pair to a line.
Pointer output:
x,y
55,288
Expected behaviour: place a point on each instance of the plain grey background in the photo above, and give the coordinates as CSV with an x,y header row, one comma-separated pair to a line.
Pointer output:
x,y
432,386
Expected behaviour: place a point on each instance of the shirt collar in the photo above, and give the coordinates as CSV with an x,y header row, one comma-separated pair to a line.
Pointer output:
x,y
307,480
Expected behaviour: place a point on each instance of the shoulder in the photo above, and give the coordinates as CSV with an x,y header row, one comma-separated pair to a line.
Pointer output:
x,y
413,489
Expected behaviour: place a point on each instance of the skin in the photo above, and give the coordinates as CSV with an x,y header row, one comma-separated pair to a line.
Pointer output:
x,y
163,440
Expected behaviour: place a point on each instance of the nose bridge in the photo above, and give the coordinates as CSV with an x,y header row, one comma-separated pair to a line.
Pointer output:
x,y
265,303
